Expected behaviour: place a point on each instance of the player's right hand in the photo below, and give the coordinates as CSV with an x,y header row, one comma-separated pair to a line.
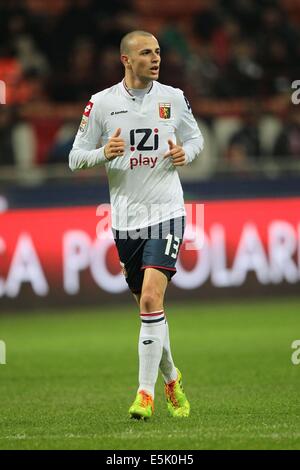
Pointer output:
x,y
115,147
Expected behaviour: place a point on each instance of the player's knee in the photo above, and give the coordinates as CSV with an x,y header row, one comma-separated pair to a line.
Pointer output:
x,y
150,301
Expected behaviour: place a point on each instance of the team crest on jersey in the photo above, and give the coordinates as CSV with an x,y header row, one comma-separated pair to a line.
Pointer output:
x,y
165,110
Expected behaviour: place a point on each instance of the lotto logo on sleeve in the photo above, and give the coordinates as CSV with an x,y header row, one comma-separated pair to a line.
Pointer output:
x,y
88,109
85,116
83,123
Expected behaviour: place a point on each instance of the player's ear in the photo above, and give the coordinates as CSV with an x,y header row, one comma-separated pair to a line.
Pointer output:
x,y
125,60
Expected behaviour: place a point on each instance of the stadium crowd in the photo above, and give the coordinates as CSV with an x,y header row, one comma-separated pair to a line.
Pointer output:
x,y
241,51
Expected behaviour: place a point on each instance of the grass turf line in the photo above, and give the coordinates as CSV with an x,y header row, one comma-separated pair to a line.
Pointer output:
x,y
71,377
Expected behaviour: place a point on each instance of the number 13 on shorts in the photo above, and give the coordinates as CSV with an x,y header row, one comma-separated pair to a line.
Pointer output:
x,y
172,247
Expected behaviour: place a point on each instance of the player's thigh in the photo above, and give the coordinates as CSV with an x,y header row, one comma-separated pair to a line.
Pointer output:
x,y
154,284
131,253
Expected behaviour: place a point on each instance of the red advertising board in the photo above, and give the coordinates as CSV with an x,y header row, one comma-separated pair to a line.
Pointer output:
x,y
53,256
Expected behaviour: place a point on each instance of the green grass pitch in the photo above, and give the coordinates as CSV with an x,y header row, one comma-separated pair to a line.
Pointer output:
x,y
70,378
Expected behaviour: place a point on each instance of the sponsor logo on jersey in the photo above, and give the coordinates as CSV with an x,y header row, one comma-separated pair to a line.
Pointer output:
x,y
142,161
88,109
144,139
83,123
164,110
113,113
85,116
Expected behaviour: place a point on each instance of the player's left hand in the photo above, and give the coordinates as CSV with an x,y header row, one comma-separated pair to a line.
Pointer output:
x,y
177,153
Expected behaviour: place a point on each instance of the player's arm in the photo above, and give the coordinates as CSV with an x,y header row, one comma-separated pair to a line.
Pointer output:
x,y
189,134
85,153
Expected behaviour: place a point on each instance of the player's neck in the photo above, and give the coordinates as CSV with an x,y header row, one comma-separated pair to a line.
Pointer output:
x,y
136,84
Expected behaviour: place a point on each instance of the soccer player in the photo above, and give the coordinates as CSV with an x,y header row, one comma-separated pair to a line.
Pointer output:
x,y
136,122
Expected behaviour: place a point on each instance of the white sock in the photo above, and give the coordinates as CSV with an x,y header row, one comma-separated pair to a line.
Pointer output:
x,y
151,340
166,365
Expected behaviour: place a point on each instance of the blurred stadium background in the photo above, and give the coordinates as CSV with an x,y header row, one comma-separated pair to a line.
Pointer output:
x,y
238,62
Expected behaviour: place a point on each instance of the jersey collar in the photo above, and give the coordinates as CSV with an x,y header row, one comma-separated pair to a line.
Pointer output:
x,y
125,90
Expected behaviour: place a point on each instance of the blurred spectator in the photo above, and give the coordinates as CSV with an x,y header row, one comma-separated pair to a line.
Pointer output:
x,y
245,12
62,144
224,39
78,81
244,145
108,68
36,85
278,47
78,21
7,154
202,70
207,21
288,142
230,48
109,33
64,51
30,58
12,24
242,75
172,38
172,70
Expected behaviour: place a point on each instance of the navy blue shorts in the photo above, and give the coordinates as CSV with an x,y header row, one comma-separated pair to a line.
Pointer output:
x,y
151,247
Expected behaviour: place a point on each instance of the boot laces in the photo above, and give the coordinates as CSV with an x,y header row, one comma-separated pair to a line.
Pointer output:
x,y
170,388
145,399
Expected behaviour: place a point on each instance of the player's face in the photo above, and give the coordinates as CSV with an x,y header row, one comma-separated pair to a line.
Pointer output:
x,y
144,59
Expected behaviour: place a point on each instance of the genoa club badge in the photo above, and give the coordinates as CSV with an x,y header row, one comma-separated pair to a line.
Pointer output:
x,y
165,110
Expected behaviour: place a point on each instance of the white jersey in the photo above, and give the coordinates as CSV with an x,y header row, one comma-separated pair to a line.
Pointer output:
x,y
145,188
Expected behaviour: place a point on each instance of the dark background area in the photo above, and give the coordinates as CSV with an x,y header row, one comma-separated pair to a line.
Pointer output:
x,y
235,60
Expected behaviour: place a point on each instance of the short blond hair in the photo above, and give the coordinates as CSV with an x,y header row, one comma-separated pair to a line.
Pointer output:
x,y
125,42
